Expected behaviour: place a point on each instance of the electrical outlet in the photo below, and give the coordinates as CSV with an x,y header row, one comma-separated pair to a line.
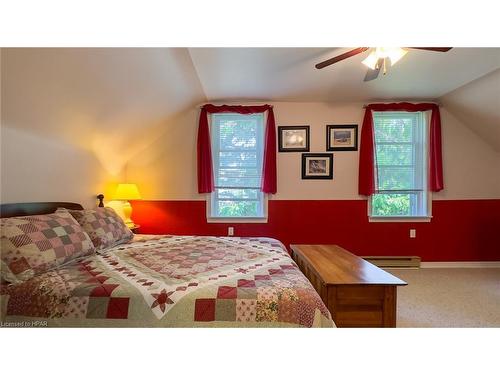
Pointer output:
x,y
230,231
413,233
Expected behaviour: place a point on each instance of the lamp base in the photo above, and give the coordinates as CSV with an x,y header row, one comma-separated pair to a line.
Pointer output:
x,y
127,212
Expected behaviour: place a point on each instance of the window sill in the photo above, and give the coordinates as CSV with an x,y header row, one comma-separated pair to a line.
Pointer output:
x,y
236,220
399,219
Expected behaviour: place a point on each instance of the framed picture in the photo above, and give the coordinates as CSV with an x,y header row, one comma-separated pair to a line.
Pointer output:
x,y
317,166
293,138
341,137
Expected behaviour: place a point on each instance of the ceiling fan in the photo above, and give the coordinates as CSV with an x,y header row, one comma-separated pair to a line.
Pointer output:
x,y
378,59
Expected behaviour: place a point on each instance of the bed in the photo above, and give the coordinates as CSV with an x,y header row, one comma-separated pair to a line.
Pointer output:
x,y
166,281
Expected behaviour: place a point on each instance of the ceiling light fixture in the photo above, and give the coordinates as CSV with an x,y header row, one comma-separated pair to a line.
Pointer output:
x,y
379,58
394,54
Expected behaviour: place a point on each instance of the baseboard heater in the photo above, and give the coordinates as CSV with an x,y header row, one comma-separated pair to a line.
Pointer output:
x,y
394,261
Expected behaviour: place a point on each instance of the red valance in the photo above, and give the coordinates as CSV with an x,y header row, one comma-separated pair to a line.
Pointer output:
x,y
205,169
367,148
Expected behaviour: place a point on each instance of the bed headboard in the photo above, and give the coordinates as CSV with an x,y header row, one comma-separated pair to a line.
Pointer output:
x,y
35,208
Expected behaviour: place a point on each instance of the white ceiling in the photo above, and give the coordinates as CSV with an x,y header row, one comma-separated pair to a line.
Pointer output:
x,y
288,74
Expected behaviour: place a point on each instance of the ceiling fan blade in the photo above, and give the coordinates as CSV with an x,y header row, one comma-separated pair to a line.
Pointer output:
x,y
434,49
341,57
372,74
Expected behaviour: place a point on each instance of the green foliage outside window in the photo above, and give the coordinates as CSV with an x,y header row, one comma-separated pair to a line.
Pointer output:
x,y
237,209
391,205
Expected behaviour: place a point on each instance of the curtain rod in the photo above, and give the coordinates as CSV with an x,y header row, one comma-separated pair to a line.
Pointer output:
x,y
243,105
366,105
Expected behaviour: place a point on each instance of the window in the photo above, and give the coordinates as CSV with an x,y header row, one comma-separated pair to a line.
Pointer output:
x,y
401,165
237,151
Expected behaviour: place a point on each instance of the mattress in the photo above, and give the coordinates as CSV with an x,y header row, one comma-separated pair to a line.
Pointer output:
x,y
171,281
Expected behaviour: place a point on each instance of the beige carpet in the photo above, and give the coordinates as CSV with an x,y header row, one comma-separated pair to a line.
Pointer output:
x,y
447,297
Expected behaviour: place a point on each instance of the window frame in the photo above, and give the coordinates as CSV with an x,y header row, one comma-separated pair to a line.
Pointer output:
x,y
427,194
210,200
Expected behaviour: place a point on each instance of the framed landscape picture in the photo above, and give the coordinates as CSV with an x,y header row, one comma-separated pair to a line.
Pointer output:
x,y
317,166
341,137
293,138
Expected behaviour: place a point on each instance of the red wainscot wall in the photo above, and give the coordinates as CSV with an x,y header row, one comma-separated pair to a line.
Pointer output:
x,y
460,230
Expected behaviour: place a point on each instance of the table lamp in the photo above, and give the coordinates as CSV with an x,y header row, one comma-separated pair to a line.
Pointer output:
x,y
126,192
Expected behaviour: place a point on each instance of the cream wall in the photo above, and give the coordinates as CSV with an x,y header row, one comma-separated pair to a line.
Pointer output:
x,y
167,167
471,166
36,168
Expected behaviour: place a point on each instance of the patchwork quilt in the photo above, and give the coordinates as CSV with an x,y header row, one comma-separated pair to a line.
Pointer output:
x,y
171,281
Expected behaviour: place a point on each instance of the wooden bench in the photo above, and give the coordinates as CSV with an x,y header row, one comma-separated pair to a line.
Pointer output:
x,y
357,293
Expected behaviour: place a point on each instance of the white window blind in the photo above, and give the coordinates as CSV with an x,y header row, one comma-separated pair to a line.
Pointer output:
x,y
401,165
237,152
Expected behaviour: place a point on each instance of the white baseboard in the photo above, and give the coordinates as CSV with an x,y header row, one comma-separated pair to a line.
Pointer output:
x,y
460,265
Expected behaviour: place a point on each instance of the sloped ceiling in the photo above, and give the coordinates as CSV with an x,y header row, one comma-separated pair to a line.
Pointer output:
x,y
106,87
111,101
477,105
288,74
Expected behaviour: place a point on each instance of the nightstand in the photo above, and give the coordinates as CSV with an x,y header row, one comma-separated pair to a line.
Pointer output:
x,y
135,228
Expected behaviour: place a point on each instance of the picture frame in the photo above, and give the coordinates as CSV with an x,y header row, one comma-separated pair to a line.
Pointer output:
x,y
317,166
293,138
342,137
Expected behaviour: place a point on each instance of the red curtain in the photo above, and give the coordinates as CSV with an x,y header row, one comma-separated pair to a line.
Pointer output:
x,y
205,173
367,148
205,170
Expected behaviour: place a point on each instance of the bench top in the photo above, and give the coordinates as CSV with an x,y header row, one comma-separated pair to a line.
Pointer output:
x,y
336,266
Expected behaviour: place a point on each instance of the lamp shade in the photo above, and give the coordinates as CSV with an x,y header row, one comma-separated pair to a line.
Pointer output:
x,y
127,192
